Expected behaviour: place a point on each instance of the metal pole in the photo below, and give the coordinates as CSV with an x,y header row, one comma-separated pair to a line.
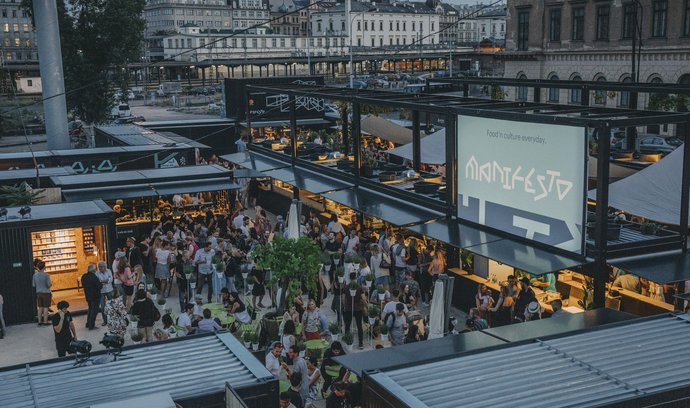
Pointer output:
x,y
53,82
348,8
357,138
293,127
416,141
600,242
451,164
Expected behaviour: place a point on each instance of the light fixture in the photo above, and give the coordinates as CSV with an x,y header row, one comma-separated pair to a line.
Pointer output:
x,y
25,212
3,213
82,351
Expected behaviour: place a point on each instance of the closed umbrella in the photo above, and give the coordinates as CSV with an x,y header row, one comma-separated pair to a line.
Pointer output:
x,y
437,316
293,221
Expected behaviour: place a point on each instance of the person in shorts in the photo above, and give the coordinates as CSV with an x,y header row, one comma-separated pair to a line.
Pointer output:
x,y
44,297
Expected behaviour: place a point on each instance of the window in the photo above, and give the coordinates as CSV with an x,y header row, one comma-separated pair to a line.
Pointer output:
x,y
390,28
578,24
659,11
603,22
576,93
523,30
359,26
522,90
404,26
625,96
380,25
686,24
25,26
366,25
555,27
413,24
600,96
554,93
29,82
629,17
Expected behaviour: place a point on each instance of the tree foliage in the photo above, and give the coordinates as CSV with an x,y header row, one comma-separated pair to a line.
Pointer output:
x,y
293,261
669,103
98,39
18,195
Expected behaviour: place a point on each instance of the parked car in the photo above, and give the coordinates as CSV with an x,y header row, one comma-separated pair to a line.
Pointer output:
x,y
128,120
659,144
357,84
617,136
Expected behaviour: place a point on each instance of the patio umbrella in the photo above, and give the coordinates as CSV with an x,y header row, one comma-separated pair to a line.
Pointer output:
x,y
437,318
293,221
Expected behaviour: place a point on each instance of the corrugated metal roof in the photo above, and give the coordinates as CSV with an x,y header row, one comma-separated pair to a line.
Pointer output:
x,y
185,368
594,368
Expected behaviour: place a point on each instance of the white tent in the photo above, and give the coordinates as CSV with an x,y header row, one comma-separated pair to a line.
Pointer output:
x,y
652,193
293,221
385,129
433,149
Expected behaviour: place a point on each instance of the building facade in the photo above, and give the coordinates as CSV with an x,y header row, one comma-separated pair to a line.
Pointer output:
x,y
170,15
284,18
476,26
194,45
380,24
592,40
251,15
17,37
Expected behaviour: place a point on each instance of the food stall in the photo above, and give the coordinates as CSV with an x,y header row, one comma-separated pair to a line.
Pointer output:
x,y
139,197
67,236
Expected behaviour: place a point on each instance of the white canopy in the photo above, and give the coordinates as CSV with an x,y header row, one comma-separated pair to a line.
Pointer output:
x,y
385,129
433,149
652,193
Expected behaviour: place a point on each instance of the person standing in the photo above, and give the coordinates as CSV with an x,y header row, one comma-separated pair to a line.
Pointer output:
x,y
524,298
144,308
164,258
63,326
353,307
135,259
117,315
92,292
399,256
397,324
105,276
42,283
299,366
204,261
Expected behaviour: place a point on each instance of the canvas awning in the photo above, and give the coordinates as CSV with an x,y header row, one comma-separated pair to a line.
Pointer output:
x,y
254,161
616,171
307,180
385,129
453,233
384,207
194,186
653,192
433,149
662,268
109,193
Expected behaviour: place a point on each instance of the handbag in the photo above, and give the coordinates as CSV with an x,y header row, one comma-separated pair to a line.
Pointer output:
x,y
384,264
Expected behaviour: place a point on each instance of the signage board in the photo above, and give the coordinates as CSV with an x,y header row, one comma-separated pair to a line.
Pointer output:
x,y
526,179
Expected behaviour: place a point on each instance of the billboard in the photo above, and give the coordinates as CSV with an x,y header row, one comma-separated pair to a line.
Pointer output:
x,y
527,179
265,106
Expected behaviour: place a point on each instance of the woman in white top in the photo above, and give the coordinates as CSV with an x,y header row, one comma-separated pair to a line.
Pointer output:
x,y
364,270
163,265
381,274
288,337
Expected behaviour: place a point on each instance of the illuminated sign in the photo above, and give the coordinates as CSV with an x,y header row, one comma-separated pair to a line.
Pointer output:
x,y
527,179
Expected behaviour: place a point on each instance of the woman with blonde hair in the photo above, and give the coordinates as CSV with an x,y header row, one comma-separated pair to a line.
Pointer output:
x,y
125,275
380,263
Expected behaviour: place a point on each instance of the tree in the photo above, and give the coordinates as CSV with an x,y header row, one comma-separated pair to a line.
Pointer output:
x,y
18,195
98,39
295,262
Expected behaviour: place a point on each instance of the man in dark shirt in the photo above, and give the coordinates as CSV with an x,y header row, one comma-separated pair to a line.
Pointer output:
x,y
293,391
133,253
63,326
525,296
92,292
339,398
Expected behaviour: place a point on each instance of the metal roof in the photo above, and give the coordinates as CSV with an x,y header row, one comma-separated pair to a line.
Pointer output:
x,y
186,368
592,116
62,211
595,368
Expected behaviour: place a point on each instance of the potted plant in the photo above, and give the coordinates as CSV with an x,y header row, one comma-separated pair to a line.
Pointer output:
x,y
334,329
136,337
168,310
374,312
368,164
245,271
381,292
384,330
649,228
340,273
219,266
161,301
149,286
255,340
153,292
247,339
352,286
348,339
133,320
349,262
188,270
369,279
192,282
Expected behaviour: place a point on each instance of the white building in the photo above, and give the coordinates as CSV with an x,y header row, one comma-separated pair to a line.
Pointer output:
x,y
17,36
171,15
251,13
490,25
380,24
219,46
